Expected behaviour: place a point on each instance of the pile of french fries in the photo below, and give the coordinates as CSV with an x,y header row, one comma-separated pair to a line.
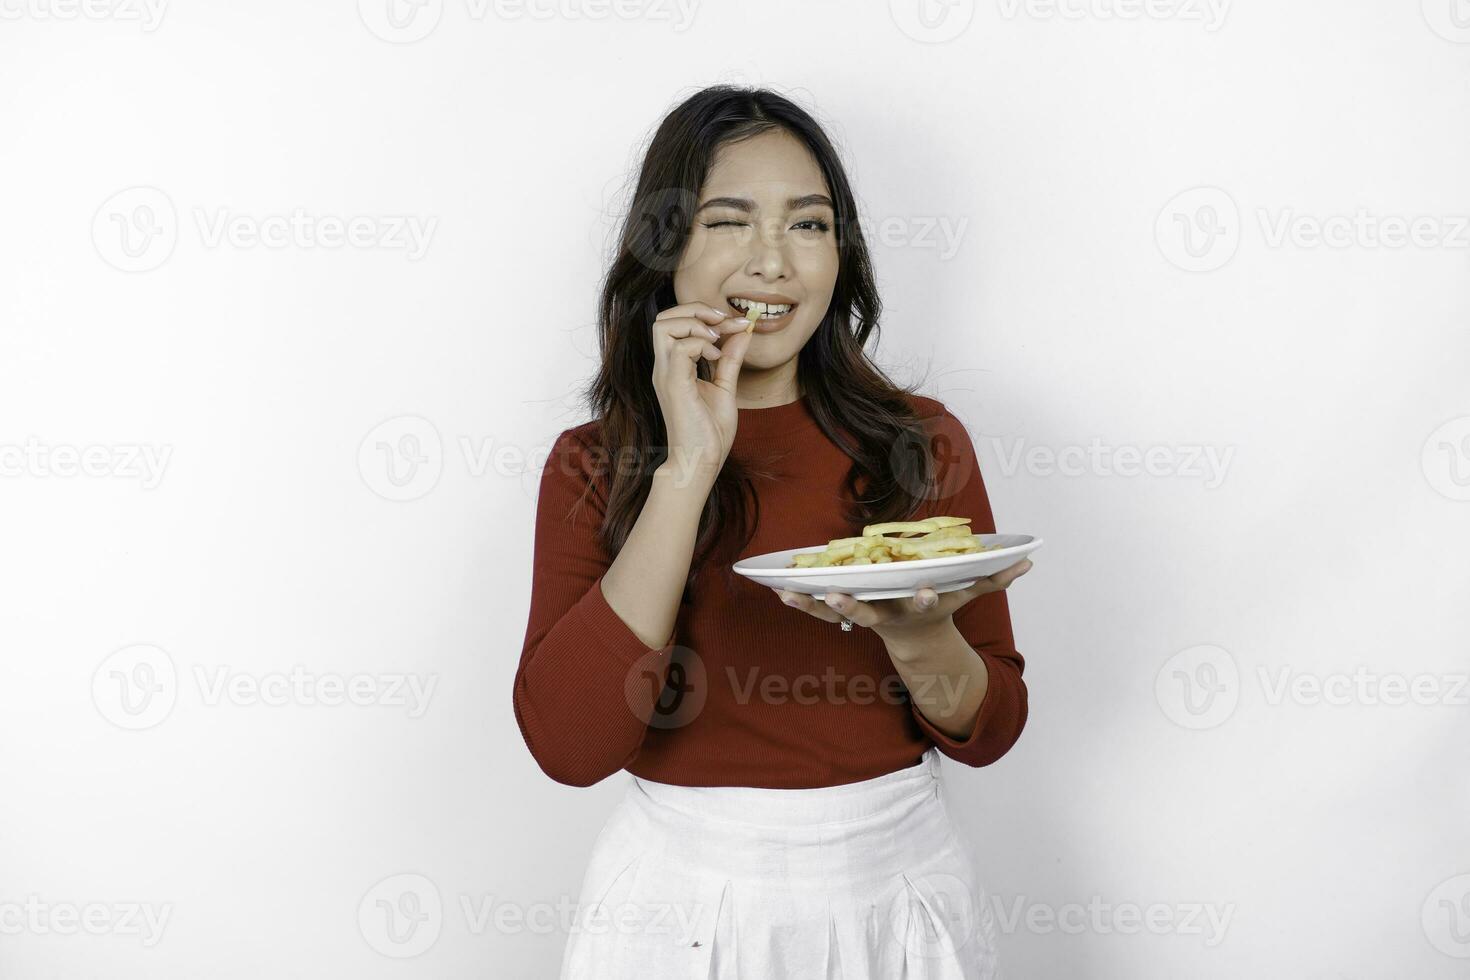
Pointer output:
x,y
934,537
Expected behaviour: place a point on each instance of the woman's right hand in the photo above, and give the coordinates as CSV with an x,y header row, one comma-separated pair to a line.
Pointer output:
x,y
699,416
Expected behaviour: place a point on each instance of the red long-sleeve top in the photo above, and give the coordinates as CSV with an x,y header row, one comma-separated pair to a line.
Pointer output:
x,y
763,694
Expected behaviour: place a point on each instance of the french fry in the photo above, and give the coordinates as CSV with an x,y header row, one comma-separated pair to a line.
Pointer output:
x,y
756,311
914,527
953,531
934,537
933,549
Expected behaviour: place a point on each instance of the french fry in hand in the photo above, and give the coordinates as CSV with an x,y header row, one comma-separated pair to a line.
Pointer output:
x,y
756,311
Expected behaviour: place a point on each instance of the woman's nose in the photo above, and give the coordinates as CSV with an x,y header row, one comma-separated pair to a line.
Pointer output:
x,y
767,249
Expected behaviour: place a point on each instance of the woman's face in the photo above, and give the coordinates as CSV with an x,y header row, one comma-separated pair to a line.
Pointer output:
x,y
763,230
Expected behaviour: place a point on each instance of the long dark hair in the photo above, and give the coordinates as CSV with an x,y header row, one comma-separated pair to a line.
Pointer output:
x,y
859,408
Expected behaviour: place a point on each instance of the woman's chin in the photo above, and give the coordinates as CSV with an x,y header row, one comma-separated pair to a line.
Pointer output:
x,y
771,349
760,359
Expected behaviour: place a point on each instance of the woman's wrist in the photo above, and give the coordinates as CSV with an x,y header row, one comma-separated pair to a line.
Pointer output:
x,y
683,471
910,644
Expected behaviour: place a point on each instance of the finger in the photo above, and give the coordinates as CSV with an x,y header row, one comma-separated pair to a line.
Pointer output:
x,y
949,602
859,612
924,600
688,326
995,583
694,348
731,326
1004,578
703,311
671,334
732,356
946,603
805,603
1012,573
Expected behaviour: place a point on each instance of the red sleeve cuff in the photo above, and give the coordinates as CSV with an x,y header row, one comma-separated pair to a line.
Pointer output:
x,y
987,708
993,732
603,627
580,732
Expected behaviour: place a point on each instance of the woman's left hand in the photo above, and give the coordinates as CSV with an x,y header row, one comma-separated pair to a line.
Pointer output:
x,y
915,613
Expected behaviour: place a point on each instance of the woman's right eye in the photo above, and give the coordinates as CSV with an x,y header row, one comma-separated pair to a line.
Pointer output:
x,y
721,224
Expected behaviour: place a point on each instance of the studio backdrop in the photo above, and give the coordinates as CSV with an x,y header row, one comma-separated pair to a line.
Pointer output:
x,y
296,297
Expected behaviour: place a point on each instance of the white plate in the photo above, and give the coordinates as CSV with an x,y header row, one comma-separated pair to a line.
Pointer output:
x,y
890,580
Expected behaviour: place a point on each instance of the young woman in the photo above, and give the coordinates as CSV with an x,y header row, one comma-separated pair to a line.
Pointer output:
x,y
783,818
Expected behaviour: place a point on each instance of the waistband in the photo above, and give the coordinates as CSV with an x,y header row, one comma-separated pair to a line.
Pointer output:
x,y
783,808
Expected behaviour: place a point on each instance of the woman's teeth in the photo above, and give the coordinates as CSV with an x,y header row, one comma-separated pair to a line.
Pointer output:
x,y
772,309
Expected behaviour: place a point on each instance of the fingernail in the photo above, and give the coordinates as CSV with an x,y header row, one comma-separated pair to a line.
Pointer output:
x,y
740,320
789,602
713,333
925,603
722,313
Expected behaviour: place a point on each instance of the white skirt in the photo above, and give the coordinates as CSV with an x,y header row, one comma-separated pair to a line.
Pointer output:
x,y
864,881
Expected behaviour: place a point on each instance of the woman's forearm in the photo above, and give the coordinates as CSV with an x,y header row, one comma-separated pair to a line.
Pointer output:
x,y
946,678
644,584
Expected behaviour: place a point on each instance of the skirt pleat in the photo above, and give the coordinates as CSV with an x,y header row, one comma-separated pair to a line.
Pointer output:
x,y
832,963
722,961
863,881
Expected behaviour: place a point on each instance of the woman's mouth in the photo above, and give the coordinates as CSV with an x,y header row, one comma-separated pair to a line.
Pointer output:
x,y
777,315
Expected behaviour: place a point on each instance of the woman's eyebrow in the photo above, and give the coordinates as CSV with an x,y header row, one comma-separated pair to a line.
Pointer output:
x,y
747,205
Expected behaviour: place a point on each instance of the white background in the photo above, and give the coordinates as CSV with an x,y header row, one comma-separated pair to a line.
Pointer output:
x,y
1066,151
